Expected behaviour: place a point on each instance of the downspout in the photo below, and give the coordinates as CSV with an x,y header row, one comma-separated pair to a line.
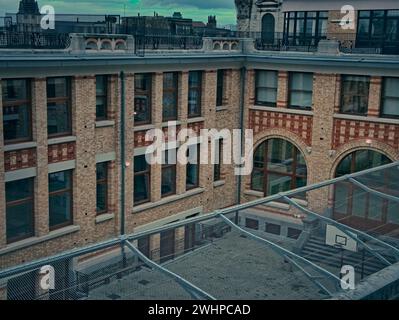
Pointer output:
x,y
123,168
123,154
242,105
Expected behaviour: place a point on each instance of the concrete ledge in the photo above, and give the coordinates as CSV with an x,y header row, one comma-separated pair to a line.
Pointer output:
x,y
61,140
382,285
176,217
104,217
61,166
144,127
365,118
222,108
20,174
196,119
104,157
36,240
20,146
105,123
282,110
219,183
167,200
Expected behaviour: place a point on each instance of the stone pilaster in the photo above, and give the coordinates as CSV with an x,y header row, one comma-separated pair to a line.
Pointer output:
x,y
179,241
374,97
39,130
155,247
282,91
157,97
84,178
319,162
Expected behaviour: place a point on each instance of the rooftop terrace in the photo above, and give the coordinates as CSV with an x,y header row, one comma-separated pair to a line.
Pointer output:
x,y
229,254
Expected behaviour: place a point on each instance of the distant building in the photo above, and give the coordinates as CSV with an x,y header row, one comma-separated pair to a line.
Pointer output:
x,y
28,16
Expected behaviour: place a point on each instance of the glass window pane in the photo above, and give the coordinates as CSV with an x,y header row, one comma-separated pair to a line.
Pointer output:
x,y
60,209
16,122
101,85
168,185
341,197
257,180
140,163
15,89
58,118
278,183
60,181
141,188
18,190
142,97
280,155
20,221
101,197
101,170
57,87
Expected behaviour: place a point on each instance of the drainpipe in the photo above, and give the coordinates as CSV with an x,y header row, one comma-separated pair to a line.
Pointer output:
x,y
242,105
123,167
123,153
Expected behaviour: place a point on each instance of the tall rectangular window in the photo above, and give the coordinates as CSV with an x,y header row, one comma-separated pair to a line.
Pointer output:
x,y
19,210
17,114
194,93
220,87
218,161
142,98
355,94
170,89
390,98
192,168
168,180
142,174
59,116
102,187
300,90
101,97
60,199
266,88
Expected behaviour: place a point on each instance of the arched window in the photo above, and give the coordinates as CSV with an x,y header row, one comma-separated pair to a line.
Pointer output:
x,y
278,166
356,207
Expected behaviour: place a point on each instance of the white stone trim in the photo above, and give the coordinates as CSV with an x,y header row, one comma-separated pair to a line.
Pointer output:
x,y
282,110
36,240
167,200
61,166
105,123
365,118
20,174
104,217
176,217
20,146
61,140
104,157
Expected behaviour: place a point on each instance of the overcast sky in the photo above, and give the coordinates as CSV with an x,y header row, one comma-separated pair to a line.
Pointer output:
x,y
195,9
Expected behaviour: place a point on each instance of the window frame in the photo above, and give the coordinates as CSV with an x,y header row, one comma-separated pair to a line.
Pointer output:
x,y
104,182
58,192
140,93
263,103
17,104
198,89
266,172
196,185
68,101
353,95
217,167
30,199
173,167
174,89
291,91
103,96
383,97
147,175
220,87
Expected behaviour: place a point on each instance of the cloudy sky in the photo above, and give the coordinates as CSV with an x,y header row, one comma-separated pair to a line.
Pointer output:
x,y
195,9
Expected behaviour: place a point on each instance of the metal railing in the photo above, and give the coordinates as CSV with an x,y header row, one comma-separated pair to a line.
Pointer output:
x,y
348,42
34,40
